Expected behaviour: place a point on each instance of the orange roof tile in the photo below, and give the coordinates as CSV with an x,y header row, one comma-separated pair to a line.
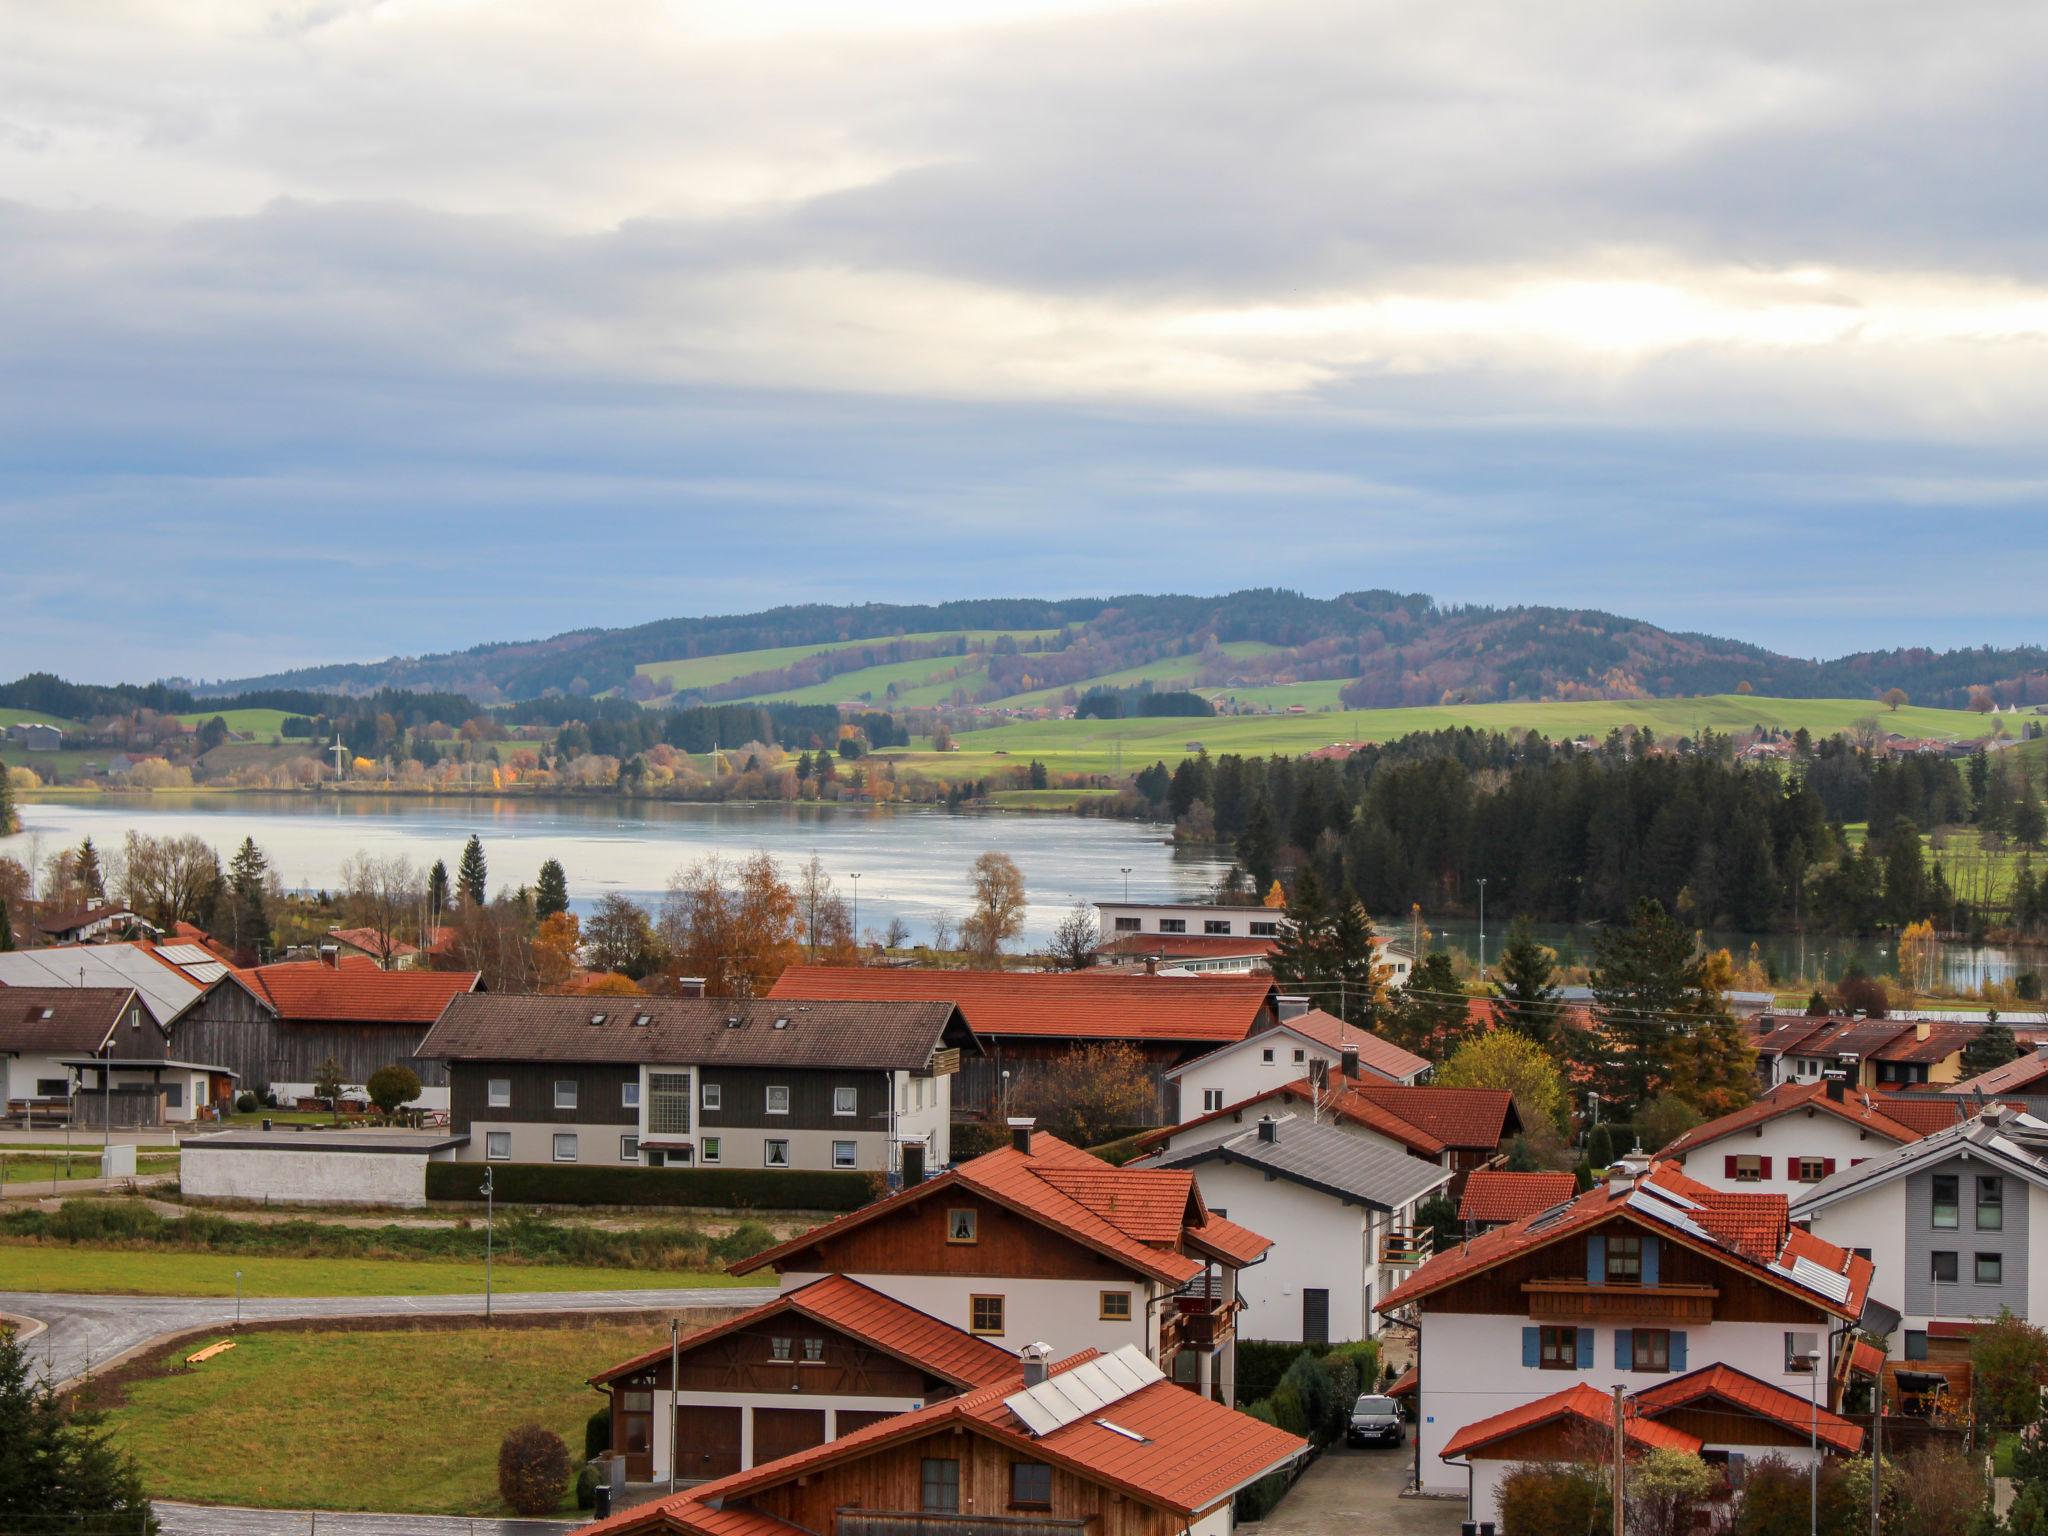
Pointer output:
x,y
1326,1029
1150,1204
2022,1074
1586,1404
1081,1005
1743,1391
1406,1383
1226,1239
1477,1119
1867,1358
1859,1109
357,991
1496,1194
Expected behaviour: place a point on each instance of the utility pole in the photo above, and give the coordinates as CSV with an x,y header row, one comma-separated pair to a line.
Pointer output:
x,y
1482,927
675,1347
856,907
1814,1361
337,749
1620,1463
1876,1451
489,1220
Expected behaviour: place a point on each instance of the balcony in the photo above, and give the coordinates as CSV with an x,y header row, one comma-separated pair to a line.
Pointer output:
x,y
1407,1245
1204,1322
1580,1301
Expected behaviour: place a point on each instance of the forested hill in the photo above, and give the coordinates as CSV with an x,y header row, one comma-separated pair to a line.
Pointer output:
x,y
1382,648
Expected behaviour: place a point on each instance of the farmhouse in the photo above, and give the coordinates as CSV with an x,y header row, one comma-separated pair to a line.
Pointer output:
x,y
712,1081
1801,1133
168,977
95,1054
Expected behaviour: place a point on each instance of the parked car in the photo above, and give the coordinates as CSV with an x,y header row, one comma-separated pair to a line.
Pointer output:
x,y
1375,1421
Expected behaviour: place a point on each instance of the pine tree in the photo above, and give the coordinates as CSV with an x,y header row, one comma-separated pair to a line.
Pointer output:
x,y
1257,845
551,891
1992,1046
250,912
58,1466
1432,1016
1328,951
1643,979
1524,998
473,875
90,879
437,891
7,821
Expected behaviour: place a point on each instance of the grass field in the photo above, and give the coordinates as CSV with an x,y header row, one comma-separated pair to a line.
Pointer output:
x,y
1977,873
10,716
1044,799
1167,672
260,723
1317,695
709,671
116,1272
917,682
400,1420
39,1165
1091,745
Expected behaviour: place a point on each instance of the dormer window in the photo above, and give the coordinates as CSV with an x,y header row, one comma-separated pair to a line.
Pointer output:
x,y
597,1018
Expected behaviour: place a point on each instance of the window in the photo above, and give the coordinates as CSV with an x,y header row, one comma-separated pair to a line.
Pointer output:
x,y
1127,925
1942,1266
498,1146
781,1349
1861,1253
710,1149
1652,1348
174,1095
1560,1349
1990,1269
498,1093
629,1093
1810,1170
778,1098
1300,1056
1266,1054
1749,1169
775,1153
1800,1348
1265,930
629,1149
714,1096
565,1146
1030,1485
1946,1200
845,1101
668,1103
844,1155
963,1226
52,1087
1212,1098
1624,1259
1990,1202
1916,1343
985,1314
565,1093
941,1485
1216,925
1115,1307
1173,925
814,1350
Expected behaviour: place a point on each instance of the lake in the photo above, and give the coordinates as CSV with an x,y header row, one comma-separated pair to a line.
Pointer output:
x,y
912,861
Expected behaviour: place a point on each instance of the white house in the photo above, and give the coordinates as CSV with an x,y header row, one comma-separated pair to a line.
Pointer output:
x,y
1273,1058
1199,938
1644,1278
1340,1210
1801,1133
42,1027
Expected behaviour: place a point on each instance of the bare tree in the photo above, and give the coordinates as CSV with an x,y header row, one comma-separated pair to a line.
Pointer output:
x,y
1076,939
998,914
828,927
172,879
388,896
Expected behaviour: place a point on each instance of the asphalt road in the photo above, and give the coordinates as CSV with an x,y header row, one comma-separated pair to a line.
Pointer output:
x,y
1360,1490
83,1333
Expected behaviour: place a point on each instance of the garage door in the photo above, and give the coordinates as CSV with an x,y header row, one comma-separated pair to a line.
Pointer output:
x,y
707,1441
780,1432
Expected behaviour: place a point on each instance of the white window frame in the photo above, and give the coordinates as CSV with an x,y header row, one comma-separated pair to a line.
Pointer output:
x,y
1212,1100
629,1147
710,1150
575,1152
768,1146
714,1096
768,1099
845,1154
496,1139
570,1084
498,1093
850,1097
629,1093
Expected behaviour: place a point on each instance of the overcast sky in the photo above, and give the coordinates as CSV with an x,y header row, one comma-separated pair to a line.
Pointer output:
x,y
336,328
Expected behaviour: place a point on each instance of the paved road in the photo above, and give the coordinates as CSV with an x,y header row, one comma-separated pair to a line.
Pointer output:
x,y
91,1332
216,1520
1360,1490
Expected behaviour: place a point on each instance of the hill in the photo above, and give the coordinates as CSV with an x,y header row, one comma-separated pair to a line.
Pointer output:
x,y
1265,648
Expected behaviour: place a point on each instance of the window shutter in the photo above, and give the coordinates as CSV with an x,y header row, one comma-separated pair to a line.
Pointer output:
x,y
1585,1360
1624,1350
1596,1259
1827,1166
1677,1351
1532,1347
1650,1259
1728,1166
1764,1166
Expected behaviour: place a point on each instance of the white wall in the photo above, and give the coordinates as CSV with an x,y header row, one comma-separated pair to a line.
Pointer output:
x,y
1062,1313
1874,1219
934,1122
19,1076
1318,1243
310,1177
1784,1141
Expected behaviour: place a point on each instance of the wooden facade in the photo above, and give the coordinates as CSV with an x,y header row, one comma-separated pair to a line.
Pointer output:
x,y
746,1360
911,1240
228,1026
743,1099
600,1093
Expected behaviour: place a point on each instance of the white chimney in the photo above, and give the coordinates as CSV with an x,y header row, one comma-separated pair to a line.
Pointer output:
x,y
1035,1358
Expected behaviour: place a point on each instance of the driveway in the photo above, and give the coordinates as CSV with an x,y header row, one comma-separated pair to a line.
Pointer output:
x,y
1360,1490
83,1333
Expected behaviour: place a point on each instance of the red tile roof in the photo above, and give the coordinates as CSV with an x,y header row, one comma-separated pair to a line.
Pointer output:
x,y
1496,1194
1866,1358
1227,1240
1470,1119
1587,1404
1120,1212
1406,1383
1333,1033
358,991
1943,1040
1858,1109
1343,1106
890,1325
1079,1005
371,942
1743,1391
1927,1115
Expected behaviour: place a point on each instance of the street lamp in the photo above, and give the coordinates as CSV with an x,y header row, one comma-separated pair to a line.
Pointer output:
x,y
675,1348
489,1213
1482,927
1813,1364
856,915
1126,871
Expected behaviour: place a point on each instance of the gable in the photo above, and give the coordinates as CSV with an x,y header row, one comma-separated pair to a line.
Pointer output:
x,y
745,1360
911,1240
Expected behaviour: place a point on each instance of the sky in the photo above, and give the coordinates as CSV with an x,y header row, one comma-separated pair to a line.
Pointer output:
x,y
334,329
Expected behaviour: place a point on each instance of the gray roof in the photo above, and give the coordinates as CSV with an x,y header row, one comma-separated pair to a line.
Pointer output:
x,y
1338,1162
166,990
2011,1140
691,1031
420,1143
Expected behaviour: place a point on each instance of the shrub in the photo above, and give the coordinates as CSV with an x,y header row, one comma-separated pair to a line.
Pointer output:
x,y
1307,1379
597,1433
1541,1499
533,1470
2008,1364
1289,1411
391,1086
1939,1488
766,1189
247,1103
1666,1490
971,1138
586,1486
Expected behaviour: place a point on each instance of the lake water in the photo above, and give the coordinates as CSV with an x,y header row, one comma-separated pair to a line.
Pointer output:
x,y
912,861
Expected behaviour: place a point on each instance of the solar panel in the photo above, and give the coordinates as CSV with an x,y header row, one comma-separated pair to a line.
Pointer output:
x,y
1072,1395
1815,1278
206,974
1657,1210
184,954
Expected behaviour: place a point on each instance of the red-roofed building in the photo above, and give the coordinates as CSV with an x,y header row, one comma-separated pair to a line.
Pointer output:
x,y
275,1025
1793,1137
1639,1280
1496,1196
1040,1241
1286,1052
1869,1053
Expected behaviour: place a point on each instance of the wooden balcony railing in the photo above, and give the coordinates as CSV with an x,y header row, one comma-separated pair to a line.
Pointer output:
x,y
1407,1245
1566,1298
1201,1321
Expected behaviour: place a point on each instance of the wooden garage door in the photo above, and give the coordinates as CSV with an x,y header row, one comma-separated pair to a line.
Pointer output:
x,y
780,1432
707,1441
851,1419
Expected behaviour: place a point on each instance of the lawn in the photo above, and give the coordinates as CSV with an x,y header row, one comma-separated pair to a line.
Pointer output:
x,y
708,671
259,723
1165,673
39,1165
1044,799
118,1272
400,1420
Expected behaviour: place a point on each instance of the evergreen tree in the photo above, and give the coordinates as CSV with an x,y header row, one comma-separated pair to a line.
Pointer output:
x,y
1432,1016
1257,845
1326,950
7,822
59,1468
1524,998
248,910
90,878
437,891
473,875
1992,1046
6,928
1643,980
551,891
2029,824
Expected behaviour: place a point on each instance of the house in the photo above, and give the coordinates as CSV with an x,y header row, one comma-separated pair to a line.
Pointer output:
x,y
2024,1080
278,1025
92,922
1643,1278
1286,1052
387,950
1340,1210
34,736
1192,954
1197,936
1098,1442
1801,1133
97,1054
1023,1018
1950,1221
663,1081
1869,1053
166,983
1494,1197
816,1363
1039,1240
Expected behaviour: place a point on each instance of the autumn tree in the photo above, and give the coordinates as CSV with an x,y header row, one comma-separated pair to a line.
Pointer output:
x,y
1523,984
620,936
495,939
1076,939
554,951
172,879
2008,1368
735,925
1503,1058
550,890
1089,1094
1892,698
827,925
998,912
473,874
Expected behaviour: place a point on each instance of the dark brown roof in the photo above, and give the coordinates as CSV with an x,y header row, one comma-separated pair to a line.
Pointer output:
x,y
879,1036
61,1019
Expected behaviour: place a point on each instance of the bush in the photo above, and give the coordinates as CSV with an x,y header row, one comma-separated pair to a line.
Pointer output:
x,y
586,1486
971,1138
391,1086
597,1433
533,1470
1539,1499
1310,1383
247,1104
1262,1362
1290,1411
765,1189
1256,1501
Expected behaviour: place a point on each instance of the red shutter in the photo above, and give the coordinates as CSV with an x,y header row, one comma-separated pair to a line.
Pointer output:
x,y
1856,1162
1728,1166
1827,1166
1764,1167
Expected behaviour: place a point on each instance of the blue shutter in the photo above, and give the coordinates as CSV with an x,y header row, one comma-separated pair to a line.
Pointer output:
x,y
1677,1352
1532,1347
1624,1350
1650,1259
1585,1361
1596,1260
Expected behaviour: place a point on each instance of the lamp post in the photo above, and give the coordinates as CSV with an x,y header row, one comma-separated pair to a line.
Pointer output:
x,y
675,1346
238,1298
856,925
1813,1361
1125,871
1482,927
489,1214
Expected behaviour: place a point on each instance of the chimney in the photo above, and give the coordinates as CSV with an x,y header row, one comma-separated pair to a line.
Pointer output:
x,y
913,1163
1021,1127
1269,1128
689,986
1291,1005
1994,1114
1034,1358
330,955
1351,1061
1922,1030
2041,1047
1151,965
1835,1082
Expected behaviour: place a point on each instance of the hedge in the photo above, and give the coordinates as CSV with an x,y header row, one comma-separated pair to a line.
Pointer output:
x,y
762,1189
1262,1362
